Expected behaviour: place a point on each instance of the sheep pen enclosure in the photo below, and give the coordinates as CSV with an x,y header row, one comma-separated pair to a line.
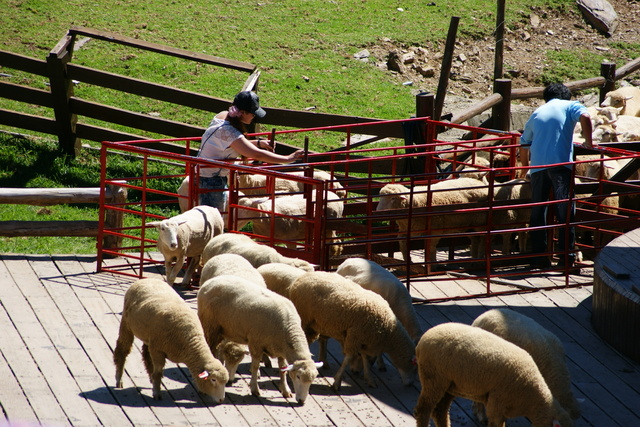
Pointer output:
x,y
340,215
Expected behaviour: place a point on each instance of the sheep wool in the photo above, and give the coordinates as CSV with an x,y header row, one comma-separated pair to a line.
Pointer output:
x,y
186,235
169,329
374,277
458,360
235,309
257,254
447,192
233,264
279,277
360,320
544,347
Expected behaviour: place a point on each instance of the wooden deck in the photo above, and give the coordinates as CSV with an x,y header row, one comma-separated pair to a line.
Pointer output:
x,y
59,323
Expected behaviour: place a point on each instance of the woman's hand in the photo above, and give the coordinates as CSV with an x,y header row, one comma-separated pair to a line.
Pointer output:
x,y
298,154
265,144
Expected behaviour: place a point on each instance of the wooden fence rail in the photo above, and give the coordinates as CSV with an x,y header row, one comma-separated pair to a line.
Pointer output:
x,y
56,196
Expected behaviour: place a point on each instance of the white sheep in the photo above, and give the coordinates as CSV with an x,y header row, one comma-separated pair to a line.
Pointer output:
x,y
279,277
283,212
544,347
624,129
360,320
169,329
233,308
447,192
627,98
229,263
458,360
186,235
374,277
256,184
257,254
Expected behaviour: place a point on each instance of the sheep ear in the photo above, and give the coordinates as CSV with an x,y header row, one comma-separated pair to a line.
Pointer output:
x,y
286,368
155,224
319,364
204,375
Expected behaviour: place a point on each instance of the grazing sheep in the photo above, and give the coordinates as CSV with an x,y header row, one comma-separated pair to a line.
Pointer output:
x,y
234,264
374,277
255,184
458,360
235,309
627,98
284,211
186,235
447,192
257,254
279,277
543,346
169,329
360,320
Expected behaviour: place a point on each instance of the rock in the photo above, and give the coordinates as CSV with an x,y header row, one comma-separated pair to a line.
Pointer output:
x,y
363,54
600,14
394,62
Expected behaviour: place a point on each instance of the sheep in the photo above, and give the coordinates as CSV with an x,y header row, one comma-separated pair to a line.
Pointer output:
x,y
514,191
233,308
255,184
374,277
186,235
285,209
183,190
234,264
599,116
279,277
459,360
544,347
360,320
447,192
257,254
627,97
624,129
169,329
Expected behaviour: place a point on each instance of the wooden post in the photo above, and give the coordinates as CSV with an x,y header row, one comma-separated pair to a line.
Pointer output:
x,y
114,219
424,104
61,92
608,71
445,69
501,112
498,61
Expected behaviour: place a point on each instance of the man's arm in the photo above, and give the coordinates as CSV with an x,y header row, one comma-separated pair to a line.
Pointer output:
x,y
587,130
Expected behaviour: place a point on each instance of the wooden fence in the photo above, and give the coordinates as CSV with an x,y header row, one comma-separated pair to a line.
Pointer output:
x,y
69,109
56,196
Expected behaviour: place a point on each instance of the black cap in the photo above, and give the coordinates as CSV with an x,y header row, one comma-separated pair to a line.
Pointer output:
x,y
249,101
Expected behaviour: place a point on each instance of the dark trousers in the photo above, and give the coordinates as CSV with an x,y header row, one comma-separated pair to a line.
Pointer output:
x,y
557,179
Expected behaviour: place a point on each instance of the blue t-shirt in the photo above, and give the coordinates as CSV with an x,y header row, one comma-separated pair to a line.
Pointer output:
x,y
549,132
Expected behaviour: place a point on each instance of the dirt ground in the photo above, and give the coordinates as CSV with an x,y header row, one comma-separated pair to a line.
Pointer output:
x,y
525,47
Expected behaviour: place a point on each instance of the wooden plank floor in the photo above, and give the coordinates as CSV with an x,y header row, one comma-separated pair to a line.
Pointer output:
x,y
59,323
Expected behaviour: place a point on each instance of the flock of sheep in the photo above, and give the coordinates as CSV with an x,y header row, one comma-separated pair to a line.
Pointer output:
x,y
254,301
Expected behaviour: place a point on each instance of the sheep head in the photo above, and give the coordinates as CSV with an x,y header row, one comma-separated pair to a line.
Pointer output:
x,y
168,231
302,374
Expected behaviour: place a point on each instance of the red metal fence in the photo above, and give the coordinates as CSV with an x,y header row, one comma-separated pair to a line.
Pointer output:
x,y
364,231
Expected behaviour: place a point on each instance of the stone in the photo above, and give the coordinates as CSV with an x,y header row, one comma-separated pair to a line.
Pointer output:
x,y
600,14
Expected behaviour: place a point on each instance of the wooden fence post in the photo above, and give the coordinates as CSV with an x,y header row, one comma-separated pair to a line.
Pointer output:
x,y
608,71
424,104
61,92
501,112
114,219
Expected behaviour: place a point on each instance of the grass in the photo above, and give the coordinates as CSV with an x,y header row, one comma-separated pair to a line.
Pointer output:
x,y
303,48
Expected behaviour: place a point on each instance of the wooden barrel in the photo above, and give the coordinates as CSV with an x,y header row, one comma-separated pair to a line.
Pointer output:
x,y
616,294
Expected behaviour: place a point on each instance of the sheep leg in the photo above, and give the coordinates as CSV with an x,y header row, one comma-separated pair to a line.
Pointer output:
x,y
256,357
284,386
367,371
154,363
172,269
441,411
322,351
495,414
122,350
186,280
337,379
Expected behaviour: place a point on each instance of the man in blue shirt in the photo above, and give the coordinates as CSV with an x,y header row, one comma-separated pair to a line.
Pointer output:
x,y
546,141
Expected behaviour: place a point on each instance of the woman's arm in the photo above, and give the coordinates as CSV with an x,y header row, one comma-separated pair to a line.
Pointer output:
x,y
245,147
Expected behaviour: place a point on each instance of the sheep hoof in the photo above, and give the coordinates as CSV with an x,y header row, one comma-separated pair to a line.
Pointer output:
x,y
336,386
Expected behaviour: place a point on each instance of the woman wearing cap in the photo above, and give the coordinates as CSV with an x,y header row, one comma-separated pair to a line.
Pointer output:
x,y
225,139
